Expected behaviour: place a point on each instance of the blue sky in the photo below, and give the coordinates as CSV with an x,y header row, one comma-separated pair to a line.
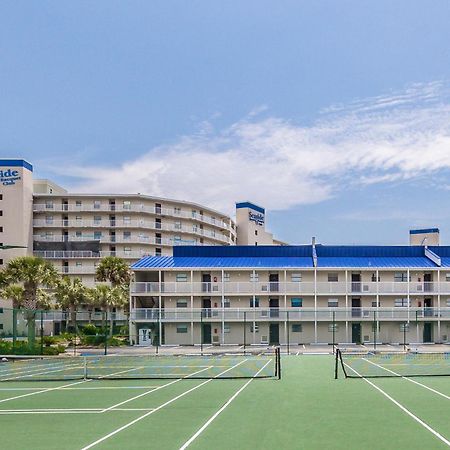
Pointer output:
x,y
335,115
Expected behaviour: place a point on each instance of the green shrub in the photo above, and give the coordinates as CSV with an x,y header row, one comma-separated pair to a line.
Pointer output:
x,y
90,330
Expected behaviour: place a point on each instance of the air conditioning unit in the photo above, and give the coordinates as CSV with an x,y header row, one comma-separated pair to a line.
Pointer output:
x,y
366,313
264,287
264,340
265,313
366,338
215,288
419,288
365,287
215,340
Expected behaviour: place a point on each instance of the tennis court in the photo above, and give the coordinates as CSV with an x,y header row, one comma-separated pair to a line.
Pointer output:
x,y
249,408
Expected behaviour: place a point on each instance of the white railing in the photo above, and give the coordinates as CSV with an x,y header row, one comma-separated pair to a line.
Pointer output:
x,y
289,314
63,254
56,223
293,288
42,207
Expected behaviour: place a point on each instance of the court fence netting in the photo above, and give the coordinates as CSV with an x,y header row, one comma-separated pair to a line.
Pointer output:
x,y
227,365
369,364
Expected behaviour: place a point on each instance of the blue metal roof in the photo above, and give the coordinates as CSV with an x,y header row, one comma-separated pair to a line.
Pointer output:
x,y
297,257
424,231
251,206
375,262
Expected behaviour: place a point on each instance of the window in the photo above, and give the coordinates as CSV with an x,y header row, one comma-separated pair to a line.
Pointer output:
x,y
1,261
127,235
182,303
213,233
256,232
226,303
333,277
226,327
402,302
1,213
254,303
181,277
296,328
296,302
1,310
126,204
78,264
400,277
182,328
97,204
127,250
404,327
78,219
97,235
48,204
158,252
1,229
296,277
97,220
333,303
1,326
333,327
254,276
254,328
126,220
194,213
177,238
1,196
374,304
78,203
226,276
374,278
177,211
48,220
78,234
448,302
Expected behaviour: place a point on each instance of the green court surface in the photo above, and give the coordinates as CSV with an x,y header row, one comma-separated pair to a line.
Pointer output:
x,y
306,409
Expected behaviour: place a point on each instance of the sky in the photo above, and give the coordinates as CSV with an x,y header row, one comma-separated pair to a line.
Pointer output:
x,y
333,115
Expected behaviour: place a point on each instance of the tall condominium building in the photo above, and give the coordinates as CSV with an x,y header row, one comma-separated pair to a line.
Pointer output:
x,y
75,230
293,295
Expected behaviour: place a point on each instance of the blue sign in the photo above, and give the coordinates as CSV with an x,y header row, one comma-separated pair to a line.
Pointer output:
x,y
258,218
9,177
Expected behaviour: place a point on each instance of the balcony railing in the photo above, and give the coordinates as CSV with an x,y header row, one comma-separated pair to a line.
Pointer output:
x,y
42,207
293,288
56,254
290,314
42,223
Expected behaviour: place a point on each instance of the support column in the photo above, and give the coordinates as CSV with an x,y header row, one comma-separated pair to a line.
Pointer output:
x,y
285,308
222,306
159,309
438,306
192,308
378,303
346,306
315,305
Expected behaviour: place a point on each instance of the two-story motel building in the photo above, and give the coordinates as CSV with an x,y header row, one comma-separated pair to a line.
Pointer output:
x,y
293,294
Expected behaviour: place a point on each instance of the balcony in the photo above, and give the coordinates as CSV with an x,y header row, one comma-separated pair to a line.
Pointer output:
x,y
140,224
62,254
290,314
141,209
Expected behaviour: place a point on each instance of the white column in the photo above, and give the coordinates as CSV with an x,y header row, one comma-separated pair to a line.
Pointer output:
x,y
223,307
346,306
159,308
409,293
285,307
439,306
192,308
378,306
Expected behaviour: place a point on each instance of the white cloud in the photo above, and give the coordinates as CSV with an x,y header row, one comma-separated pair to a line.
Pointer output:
x,y
280,164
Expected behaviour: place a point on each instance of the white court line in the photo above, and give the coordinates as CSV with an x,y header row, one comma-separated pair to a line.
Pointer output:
x,y
118,430
409,379
407,411
98,388
66,411
298,353
152,390
213,417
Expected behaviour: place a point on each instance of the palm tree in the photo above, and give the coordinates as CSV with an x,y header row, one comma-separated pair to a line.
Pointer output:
x,y
34,274
69,295
108,297
14,293
118,273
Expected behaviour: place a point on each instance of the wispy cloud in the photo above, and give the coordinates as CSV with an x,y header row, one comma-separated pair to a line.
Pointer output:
x,y
280,164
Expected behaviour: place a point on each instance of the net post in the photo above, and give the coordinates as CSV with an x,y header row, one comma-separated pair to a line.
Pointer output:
x,y
339,353
278,362
336,364
158,328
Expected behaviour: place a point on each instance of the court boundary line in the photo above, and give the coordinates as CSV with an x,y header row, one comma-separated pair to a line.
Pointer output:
x,y
404,409
138,419
220,410
409,379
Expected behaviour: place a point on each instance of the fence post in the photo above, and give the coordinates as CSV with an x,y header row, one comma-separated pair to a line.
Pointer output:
x,y
201,331
106,331
42,332
288,330
374,330
14,329
404,335
245,327
334,330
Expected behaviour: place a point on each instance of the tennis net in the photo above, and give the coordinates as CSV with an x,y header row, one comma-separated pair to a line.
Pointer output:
x,y
396,364
261,364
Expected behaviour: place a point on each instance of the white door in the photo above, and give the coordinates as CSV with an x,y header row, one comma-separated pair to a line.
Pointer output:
x,y
144,337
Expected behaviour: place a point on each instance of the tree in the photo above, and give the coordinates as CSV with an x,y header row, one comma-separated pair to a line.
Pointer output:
x,y
69,295
34,274
108,297
14,293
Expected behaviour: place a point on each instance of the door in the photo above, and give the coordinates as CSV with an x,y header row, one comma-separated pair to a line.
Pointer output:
x,y
428,307
206,282
427,332
356,307
206,304
274,334
356,282
273,282
206,333
428,282
274,304
356,333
